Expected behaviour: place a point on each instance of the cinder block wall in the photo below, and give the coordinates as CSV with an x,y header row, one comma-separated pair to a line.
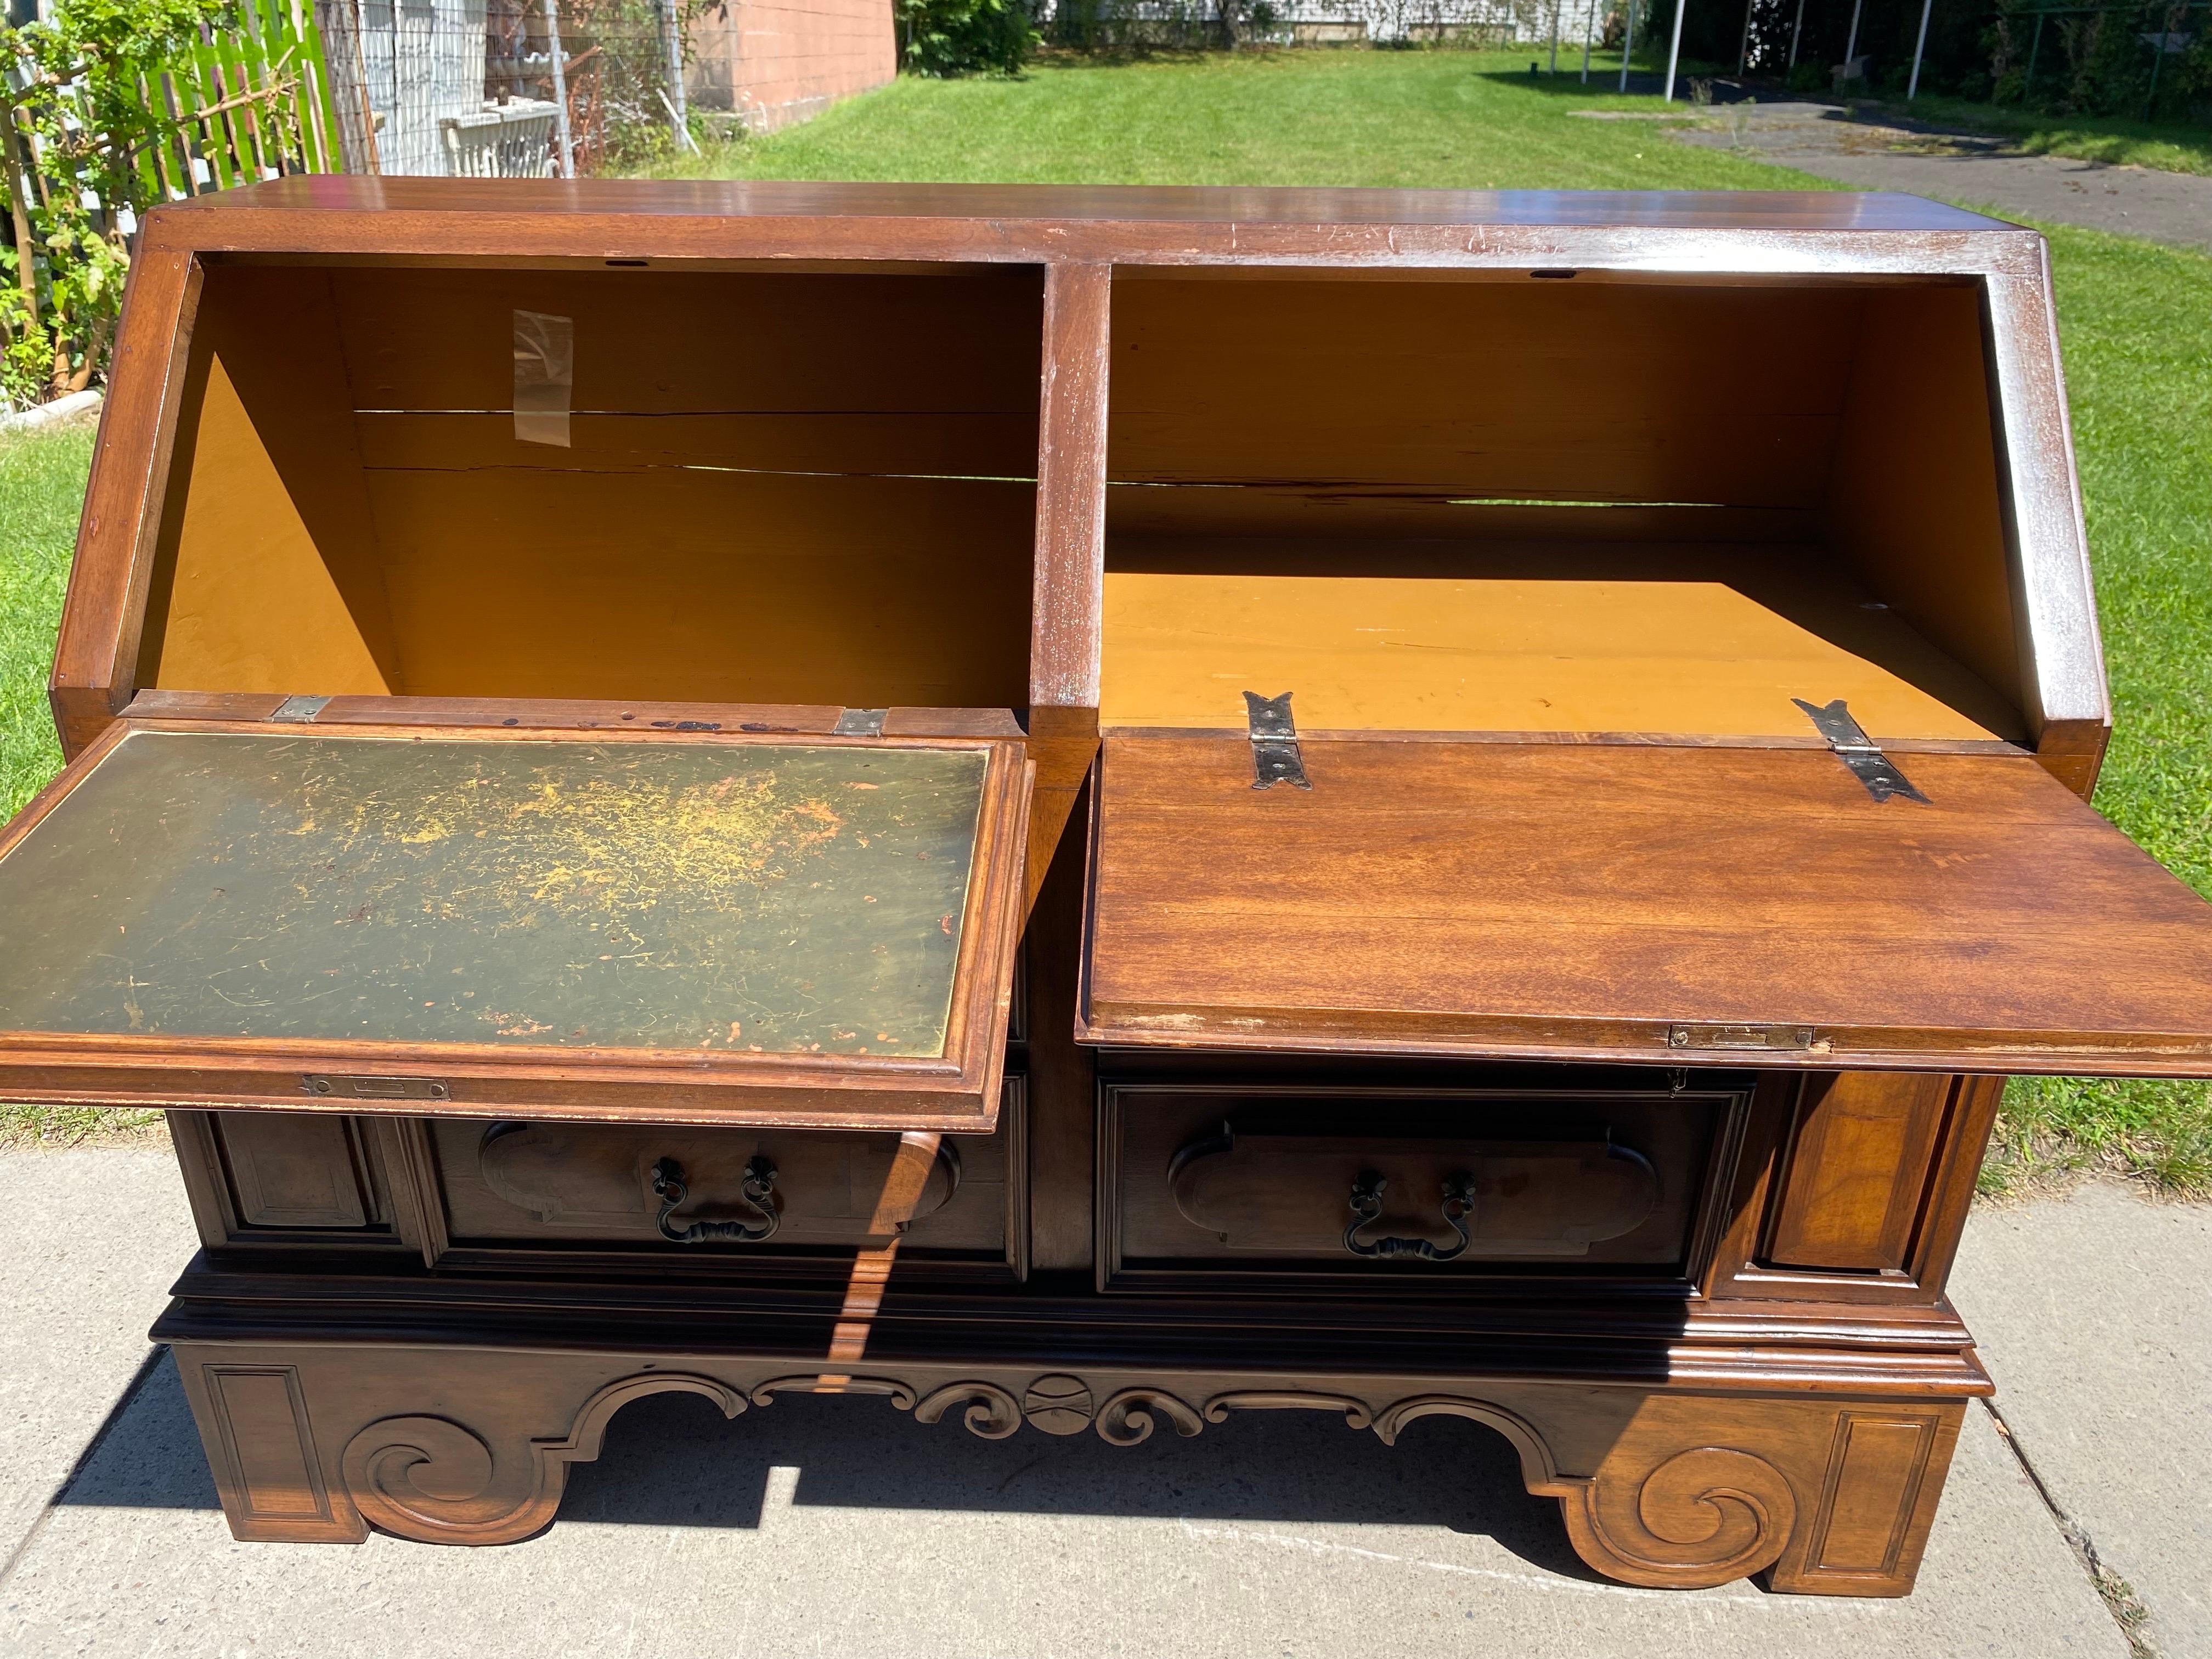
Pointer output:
x,y
774,62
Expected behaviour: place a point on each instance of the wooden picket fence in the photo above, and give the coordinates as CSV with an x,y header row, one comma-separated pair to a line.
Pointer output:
x,y
249,104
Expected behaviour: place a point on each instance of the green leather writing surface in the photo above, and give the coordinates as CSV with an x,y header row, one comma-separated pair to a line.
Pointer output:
x,y
693,895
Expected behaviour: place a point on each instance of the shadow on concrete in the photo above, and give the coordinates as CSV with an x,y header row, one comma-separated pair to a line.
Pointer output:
x,y
674,1461
1605,81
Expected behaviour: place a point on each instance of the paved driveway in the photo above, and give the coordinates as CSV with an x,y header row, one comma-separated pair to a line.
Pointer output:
x,y
1822,139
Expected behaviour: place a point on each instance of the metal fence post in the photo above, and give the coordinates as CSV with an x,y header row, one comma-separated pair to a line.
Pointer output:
x,y
565,139
1674,47
1913,89
1627,45
671,29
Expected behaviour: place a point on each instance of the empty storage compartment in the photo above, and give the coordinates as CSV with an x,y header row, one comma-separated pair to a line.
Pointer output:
x,y
811,486
1501,503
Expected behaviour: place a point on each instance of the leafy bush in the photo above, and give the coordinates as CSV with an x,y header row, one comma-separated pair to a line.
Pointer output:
x,y
77,78
965,37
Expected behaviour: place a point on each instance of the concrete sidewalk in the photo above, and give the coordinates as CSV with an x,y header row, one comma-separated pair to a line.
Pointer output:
x,y
842,1528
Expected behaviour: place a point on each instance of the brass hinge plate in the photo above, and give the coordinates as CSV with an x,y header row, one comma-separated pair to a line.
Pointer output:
x,y
374,1088
1771,1039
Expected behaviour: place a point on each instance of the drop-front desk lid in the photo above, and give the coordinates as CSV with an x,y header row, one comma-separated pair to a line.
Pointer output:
x,y
1746,906
679,926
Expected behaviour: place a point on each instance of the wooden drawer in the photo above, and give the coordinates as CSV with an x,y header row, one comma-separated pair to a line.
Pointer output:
x,y
1368,1186
730,1196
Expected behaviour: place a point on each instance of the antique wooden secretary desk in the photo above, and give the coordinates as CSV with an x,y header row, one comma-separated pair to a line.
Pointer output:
x,y
1086,811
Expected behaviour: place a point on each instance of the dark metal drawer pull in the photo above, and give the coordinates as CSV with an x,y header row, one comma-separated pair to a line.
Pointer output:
x,y
757,1191
1367,1204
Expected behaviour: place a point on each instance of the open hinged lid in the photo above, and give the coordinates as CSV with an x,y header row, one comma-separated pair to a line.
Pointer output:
x,y
1579,900
681,926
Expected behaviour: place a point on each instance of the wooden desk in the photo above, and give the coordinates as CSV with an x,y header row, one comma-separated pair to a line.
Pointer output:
x,y
1084,810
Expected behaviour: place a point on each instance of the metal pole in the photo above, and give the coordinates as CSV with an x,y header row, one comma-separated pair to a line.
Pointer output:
x,y
1796,31
1555,35
1743,51
2158,58
1674,48
1627,45
1851,45
1590,28
2034,47
561,135
671,26
1912,87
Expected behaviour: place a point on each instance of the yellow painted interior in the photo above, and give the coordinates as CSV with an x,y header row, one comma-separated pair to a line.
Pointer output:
x,y
781,488
253,607
1506,654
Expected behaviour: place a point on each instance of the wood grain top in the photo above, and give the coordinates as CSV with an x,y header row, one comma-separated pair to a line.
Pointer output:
x,y
1496,899
1176,204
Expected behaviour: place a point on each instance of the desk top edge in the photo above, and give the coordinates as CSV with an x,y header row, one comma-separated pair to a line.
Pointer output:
x,y
1792,211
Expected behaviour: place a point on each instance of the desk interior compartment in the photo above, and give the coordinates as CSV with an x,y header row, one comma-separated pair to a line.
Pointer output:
x,y
794,486
1558,507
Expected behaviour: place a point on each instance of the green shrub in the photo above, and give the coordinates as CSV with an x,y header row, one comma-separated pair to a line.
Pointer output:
x,y
965,37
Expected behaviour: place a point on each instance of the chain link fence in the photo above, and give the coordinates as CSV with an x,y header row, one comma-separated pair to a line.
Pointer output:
x,y
504,88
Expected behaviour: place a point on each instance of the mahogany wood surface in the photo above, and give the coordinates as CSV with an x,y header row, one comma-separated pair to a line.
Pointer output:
x,y
1779,210
95,658
1858,1170
1833,1494
1570,902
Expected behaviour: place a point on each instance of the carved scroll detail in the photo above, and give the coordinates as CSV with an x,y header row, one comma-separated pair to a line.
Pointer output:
x,y
1357,1415
1538,1472
991,1414
430,1479
1704,1516
427,1477
1129,1418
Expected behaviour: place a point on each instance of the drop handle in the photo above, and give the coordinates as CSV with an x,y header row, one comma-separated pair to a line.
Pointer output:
x,y
1366,1203
758,1193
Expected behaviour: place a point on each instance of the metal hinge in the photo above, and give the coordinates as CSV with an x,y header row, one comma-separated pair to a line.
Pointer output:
x,y
1859,752
860,723
1275,758
1787,1039
299,710
376,1088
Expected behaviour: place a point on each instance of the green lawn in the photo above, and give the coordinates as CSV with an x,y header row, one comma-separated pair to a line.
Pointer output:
x,y
2137,320
41,489
1456,119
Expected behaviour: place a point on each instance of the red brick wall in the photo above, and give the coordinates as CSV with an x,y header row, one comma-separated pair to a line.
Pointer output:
x,y
774,62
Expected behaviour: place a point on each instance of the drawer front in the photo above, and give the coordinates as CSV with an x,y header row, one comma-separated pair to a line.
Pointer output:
x,y
728,1195
269,1180
1387,1186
